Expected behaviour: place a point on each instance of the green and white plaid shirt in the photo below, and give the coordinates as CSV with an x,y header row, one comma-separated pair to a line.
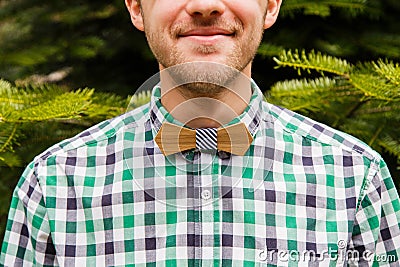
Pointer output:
x,y
302,195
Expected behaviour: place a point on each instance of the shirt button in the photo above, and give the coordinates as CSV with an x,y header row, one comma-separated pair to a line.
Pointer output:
x,y
206,194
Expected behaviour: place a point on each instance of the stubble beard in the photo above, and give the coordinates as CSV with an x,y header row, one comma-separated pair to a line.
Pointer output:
x,y
204,79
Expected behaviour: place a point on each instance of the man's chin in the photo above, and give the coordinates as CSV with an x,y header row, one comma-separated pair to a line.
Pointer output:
x,y
201,78
200,89
211,58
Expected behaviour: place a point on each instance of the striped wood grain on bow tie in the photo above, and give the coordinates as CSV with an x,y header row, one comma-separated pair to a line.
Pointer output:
x,y
172,138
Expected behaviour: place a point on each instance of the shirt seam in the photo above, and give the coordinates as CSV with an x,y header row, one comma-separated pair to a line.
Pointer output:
x,y
373,172
302,134
57,149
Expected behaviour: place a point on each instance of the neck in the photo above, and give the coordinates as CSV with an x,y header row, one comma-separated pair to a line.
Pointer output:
x,y
209,110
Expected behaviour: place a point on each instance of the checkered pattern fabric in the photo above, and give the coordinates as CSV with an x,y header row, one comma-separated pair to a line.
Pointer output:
x,y
302,195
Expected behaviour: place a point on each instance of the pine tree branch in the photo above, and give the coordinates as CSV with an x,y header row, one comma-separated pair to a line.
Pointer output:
x,y
353,110
66,106
323,7
382,43
373,87
46,106
391,145
386,109
9,159
27,95
139,99
368,93
376,135
269,50
313,61
8,142
389,70
350,114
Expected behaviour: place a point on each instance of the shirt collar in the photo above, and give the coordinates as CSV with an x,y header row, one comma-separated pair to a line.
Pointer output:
x,y
251,116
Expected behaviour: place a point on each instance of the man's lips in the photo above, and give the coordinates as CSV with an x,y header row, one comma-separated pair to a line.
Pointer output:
x,y
206,32
206,36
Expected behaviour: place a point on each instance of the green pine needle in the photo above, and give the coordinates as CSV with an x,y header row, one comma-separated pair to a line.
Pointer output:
x,y
27,110
389,70
323,7
362,100
139,99
301,61
8,136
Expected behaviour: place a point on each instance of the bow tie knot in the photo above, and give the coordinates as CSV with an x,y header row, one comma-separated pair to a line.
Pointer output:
x,y
206,138
234,139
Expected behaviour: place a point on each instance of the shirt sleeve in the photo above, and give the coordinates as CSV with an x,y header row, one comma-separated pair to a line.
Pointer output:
x,y
376,234
27,240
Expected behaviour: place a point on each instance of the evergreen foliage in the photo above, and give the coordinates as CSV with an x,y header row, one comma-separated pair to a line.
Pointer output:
x,y
93,38
28,113
102,49
33,117
362,100
355,29
324,8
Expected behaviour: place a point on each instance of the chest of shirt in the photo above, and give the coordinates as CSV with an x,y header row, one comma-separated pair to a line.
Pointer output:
x,y
199,208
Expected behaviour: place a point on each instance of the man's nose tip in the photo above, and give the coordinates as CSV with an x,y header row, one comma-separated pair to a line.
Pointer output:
x,y
205,8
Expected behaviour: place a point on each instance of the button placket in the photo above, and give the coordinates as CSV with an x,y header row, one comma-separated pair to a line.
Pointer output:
x,y
197,207
207,211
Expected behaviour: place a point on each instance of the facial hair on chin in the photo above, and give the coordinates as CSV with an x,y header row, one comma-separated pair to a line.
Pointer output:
x,y
241,55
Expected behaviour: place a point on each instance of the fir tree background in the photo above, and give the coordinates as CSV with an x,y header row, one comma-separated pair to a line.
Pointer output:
x,y
334,61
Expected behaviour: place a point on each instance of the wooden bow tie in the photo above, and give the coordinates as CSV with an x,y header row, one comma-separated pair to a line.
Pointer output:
x,y
234,139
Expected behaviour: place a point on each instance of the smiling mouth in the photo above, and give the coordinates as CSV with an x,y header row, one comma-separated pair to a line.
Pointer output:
x,y
207,33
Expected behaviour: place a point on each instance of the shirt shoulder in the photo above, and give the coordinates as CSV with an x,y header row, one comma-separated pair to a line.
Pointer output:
x,y
298,124
98,133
